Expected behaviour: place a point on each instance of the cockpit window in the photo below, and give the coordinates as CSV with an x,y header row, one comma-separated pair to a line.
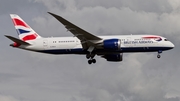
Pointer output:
x,y
165,40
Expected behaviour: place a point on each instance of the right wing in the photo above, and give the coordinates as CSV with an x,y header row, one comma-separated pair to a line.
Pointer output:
x,y
87,39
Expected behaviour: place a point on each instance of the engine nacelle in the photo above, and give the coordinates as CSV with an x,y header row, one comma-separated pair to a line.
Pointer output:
x,y
114,57
112,44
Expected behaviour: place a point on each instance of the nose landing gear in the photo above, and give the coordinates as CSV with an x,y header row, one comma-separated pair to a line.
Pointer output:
x,y
159,52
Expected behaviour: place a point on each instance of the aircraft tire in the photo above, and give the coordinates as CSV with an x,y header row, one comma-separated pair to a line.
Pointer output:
x,y
89,61
94,60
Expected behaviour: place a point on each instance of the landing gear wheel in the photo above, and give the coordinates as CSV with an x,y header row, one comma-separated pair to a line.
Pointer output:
x,y
158,56
94,60
89,61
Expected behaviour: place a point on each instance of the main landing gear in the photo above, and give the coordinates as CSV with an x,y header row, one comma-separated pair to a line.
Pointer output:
x,y
91,58
90,55
92,61
159,52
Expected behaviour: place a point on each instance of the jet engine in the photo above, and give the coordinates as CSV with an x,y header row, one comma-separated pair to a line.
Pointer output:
x,y
112,44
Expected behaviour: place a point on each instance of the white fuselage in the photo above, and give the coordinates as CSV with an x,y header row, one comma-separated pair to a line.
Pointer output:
x,y
72,45
109,47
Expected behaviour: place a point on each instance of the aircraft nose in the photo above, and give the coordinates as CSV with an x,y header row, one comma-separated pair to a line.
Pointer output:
x,y
171,45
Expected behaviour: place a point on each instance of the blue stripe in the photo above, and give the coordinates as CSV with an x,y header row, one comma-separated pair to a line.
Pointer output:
x,y
21,31
64,51
101,51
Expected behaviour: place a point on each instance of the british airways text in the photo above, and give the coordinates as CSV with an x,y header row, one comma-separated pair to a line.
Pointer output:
x,y
137,42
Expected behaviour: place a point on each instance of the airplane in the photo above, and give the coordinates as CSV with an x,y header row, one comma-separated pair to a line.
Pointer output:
x,y
84,43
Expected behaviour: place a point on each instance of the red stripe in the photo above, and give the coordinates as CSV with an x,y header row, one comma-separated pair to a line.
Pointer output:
x,y
18,22
151,37
29,37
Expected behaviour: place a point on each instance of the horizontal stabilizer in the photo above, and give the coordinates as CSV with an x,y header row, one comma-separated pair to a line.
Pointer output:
x,y
17,40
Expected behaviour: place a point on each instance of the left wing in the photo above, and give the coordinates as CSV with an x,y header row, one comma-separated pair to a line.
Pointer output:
x,y
87,40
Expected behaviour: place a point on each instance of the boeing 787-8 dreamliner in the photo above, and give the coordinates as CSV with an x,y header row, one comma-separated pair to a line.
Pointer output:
x,y
84,43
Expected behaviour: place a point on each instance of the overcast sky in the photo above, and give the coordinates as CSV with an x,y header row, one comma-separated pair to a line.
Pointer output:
x,y
30,76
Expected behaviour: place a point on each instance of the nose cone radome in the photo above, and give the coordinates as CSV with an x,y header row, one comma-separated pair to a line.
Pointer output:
x,y
171,45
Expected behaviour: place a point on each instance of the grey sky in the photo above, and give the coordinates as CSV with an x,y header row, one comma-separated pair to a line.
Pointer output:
x,y
30,76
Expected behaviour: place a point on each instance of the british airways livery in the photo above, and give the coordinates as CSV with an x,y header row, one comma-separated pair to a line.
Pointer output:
x,y
84,43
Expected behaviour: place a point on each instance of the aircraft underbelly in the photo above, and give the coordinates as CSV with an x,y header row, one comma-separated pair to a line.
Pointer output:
x,y
102,51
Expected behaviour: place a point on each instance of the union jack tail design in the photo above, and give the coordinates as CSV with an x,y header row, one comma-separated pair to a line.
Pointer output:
x,y
24,31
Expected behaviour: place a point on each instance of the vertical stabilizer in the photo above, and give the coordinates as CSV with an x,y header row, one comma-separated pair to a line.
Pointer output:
x,y
24,31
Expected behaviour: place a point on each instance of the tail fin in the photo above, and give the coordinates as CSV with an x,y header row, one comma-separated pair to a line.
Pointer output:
x,y
24,31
